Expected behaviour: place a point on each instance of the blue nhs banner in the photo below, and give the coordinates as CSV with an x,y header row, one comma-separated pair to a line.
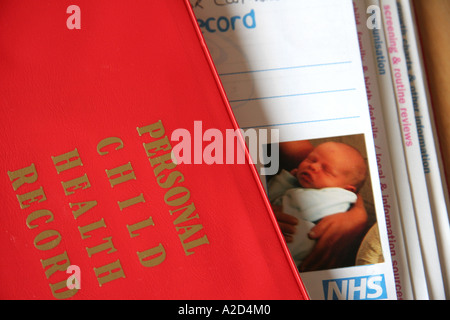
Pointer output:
x,y
372,287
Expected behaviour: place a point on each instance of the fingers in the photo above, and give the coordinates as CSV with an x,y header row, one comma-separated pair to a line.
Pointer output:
x,y
286,219
288,231
320,258
286,222
287,225
319,229
333,248
288,238
287,228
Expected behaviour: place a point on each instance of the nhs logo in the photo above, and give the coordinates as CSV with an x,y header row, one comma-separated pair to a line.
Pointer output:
x,y
371,287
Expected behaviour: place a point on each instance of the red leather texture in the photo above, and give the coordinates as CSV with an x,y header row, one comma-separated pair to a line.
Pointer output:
x,y
86,118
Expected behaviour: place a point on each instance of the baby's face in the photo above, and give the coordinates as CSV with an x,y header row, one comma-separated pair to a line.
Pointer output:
x,y
328,165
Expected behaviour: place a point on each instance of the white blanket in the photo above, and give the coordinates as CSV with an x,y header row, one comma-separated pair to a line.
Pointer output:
x,y
308,206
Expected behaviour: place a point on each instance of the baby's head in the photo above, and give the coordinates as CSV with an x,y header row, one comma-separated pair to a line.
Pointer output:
x,y
332,164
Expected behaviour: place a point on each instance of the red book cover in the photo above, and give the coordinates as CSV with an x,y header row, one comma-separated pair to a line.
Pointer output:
x,y
94,206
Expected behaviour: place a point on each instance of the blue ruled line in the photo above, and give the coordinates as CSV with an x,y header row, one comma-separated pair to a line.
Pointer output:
x,y
301,122
292,95
285,68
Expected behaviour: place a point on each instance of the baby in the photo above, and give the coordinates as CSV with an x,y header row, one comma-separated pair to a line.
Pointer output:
x,y
325,183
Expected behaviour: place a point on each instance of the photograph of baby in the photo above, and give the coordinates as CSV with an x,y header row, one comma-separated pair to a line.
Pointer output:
x,y
322,198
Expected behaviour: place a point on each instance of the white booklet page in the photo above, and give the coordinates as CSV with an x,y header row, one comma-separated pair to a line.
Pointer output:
x,y
295,66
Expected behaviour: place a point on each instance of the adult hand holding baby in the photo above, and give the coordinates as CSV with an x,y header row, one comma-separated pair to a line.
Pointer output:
x,y
336,236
